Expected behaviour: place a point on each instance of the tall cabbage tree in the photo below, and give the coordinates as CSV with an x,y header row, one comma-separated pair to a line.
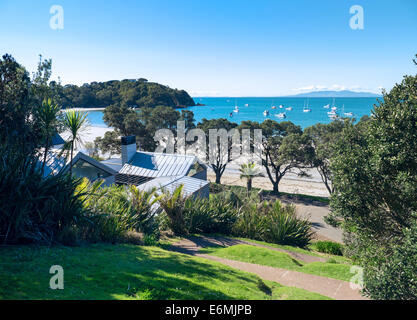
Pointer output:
x,y
75,122
48,119
249,171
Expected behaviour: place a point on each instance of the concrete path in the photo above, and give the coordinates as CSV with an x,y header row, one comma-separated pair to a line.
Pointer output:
x,y
333,288
315,214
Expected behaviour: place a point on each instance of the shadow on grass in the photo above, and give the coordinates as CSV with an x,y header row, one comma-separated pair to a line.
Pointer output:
x,y
117,272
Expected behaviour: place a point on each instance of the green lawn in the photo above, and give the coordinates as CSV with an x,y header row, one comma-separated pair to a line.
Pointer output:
x,y
129,272
309,251
268,257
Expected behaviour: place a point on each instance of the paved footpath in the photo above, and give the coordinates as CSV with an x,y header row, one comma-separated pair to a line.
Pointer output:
x,y
333,288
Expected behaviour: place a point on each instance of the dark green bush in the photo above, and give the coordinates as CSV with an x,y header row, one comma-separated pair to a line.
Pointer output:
x,y
116,210
392,273
173,205
209,215
329,247
283,226
37,209
274,223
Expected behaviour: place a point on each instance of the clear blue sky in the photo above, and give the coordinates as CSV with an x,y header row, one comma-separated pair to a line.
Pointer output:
x,y
218,47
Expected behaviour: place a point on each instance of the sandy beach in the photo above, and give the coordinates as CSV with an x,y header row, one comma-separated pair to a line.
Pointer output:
x,y
289,184
85,109
90,134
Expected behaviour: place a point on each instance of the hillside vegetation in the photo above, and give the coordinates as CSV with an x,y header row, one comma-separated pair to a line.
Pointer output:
x,y
134,93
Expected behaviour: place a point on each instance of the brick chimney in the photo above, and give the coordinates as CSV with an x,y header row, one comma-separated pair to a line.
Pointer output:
x,y
128,148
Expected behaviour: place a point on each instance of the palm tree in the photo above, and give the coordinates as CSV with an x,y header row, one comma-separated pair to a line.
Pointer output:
x,y
75,122
47,117
249,171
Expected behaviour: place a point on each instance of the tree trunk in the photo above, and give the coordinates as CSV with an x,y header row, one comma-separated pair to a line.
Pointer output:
x,y
218,177
44,159
275,188
72,152
249,185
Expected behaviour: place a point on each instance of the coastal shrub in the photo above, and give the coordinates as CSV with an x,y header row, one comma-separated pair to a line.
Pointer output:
x,y
186,215
274,223
391,273
250,223
116,211
329,247
209,215
35,209
283,226
173,205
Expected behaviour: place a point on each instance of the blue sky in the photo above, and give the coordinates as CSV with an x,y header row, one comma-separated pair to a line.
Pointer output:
x,y
218,48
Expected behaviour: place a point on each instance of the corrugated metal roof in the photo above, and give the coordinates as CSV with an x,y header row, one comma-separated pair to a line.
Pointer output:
x,y
169,184
154,165
57,140
55,162
114,163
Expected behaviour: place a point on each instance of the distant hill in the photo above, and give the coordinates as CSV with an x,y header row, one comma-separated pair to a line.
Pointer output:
x,y
337,94
133,92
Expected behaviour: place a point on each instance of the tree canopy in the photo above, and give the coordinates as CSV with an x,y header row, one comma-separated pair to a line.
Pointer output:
x,y
374,168
132,93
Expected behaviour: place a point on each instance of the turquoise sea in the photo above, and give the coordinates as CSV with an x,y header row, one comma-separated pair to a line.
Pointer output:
x,y
253,108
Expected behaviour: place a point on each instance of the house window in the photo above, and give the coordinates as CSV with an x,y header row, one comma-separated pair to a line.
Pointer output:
x,y
83,169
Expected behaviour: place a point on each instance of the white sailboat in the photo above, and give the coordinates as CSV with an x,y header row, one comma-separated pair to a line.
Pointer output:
x,y
334,108
306,108
236,110
281,115
347,114
266,113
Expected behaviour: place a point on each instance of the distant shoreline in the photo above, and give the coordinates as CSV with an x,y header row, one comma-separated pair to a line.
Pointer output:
x,y
84,109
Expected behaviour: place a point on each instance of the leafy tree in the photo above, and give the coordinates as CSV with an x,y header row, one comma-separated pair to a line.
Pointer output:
x,y
375,179
110,143
115,115
143,122
222,155
130,92
323,137
188,117
284,148
75,122
40,88
16,126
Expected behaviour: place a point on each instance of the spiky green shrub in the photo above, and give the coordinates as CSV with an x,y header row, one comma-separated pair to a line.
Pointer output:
x,y
173,205
283,226
272,222
116,210
250,223
34,208
211,215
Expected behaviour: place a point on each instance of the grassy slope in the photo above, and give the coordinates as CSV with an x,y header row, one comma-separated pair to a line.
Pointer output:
x,y
267,257
127,272
309,251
